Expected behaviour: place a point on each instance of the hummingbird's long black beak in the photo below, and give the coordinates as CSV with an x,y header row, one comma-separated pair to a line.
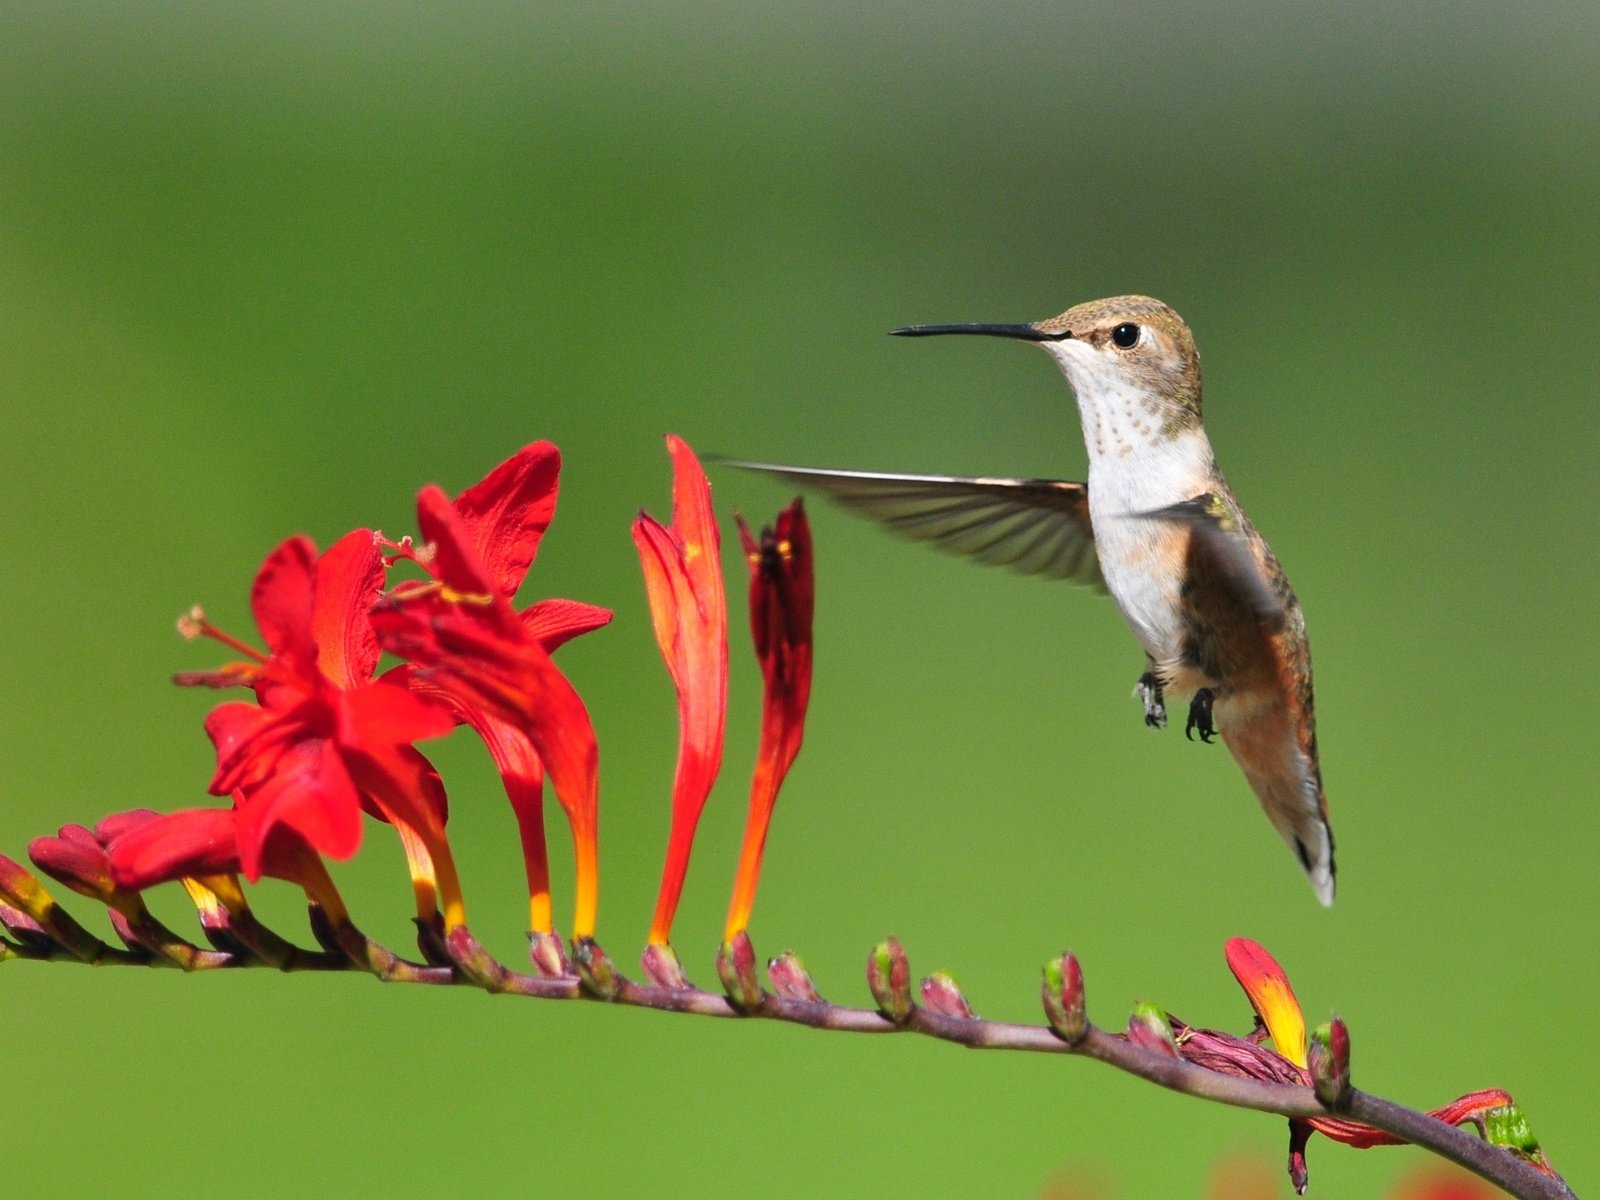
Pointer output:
x,y
1026,333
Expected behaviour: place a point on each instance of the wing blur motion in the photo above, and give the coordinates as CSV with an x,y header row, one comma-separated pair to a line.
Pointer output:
x,y
1034,526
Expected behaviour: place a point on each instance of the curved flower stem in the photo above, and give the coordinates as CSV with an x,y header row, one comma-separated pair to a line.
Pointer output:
x,y
475,967
1490,1162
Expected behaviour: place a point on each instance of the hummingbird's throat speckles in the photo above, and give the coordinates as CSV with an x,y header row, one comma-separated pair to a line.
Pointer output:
x,y
1122,415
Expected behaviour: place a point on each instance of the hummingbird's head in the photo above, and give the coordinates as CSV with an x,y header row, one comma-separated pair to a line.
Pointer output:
x,y
1129,347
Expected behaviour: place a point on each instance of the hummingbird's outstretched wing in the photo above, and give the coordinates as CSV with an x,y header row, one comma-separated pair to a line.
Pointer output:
x,y
1247,630
1034,526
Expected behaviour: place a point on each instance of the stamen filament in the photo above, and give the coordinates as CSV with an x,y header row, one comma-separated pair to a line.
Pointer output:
x,y
193,624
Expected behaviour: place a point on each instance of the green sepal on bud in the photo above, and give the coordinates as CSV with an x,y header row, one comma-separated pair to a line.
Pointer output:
x,y
1064,1005
663,967
596,971
942,994
1328,1057
889,977
1508,1126
1148,1027
791,980
736,967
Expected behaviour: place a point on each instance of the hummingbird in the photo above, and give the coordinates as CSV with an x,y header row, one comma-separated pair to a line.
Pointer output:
x,y
1157,527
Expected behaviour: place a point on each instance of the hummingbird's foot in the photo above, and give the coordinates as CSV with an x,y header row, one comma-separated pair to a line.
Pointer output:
x,y
1148,689
1200,716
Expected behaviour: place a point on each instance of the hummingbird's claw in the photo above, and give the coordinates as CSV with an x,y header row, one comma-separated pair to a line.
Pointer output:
x,y
1200,717
1148,689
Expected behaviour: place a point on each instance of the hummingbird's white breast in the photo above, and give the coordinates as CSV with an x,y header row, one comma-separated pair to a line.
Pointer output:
x,y
1136,466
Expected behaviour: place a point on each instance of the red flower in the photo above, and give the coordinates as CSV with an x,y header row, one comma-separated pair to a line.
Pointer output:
x,y
200,848
683,578
503,518
324,740
494,664
782,597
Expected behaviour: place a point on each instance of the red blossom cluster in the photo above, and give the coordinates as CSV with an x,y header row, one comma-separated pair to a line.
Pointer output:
x,y
326,741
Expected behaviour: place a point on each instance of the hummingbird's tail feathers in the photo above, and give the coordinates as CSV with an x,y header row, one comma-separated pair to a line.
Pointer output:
x,y
1034,526
1267,745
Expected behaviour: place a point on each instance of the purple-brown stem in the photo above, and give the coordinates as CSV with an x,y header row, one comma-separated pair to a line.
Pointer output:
x,y
598,979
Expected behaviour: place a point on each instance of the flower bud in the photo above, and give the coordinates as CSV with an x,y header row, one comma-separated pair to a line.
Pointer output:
x,y
28,932
662,966
596,970
942,994
736,967
19,889
1063,998
109,828
548,954
469,956
1149,1027
889,977
791,980
1328,1057
1507,1126
77,860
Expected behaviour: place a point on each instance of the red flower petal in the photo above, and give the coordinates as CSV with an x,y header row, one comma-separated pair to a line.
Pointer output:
x,y
196,841
554,623
281,600
1265,982
246,747
455,560
381,715
311,792
688,607
782,599
508,511
349,579
522,775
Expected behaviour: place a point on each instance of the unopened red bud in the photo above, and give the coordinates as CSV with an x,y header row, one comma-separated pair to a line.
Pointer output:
x,y
736,967
1149,1027
1063,998
111,827
75,859
548,954
889,977
596,970
942,994
1328,1057
791,980
21,890
662,966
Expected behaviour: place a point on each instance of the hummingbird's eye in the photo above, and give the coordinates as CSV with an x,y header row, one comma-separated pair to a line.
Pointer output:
x,y
1125,336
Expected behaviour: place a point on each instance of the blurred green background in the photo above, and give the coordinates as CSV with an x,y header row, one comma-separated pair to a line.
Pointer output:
x,y
270,267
